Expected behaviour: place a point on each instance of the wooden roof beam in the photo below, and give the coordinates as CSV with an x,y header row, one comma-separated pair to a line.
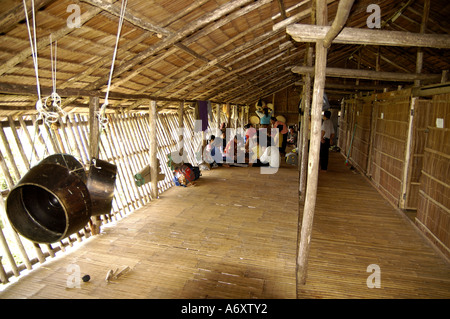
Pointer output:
x,y
313,33
370,75
9,19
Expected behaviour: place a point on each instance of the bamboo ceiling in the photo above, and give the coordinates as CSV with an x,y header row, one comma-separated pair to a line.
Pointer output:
x,y
179,50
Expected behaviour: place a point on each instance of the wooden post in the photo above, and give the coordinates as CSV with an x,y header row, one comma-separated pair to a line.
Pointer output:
x,y
305,125
153,150
313,161
406,164
219,106
373,128
306,110
423,26
94,137
228,114
181,129
93,127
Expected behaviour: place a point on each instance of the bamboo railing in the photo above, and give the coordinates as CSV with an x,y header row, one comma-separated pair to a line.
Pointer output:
x,y
25,141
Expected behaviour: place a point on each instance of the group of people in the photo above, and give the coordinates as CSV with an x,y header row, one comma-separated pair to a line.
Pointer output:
x,y
256,147
264,145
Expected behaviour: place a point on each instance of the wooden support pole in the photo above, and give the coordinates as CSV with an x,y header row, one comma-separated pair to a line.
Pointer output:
x,y
305,125
343,11
181,128
407,167
313,161
228,114
219,107
94,128
313,33
153,150
94,138
423,26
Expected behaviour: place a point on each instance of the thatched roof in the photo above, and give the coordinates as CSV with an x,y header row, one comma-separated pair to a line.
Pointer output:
x,y
178,50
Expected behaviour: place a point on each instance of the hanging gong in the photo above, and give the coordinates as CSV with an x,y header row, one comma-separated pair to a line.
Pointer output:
x,y
100,183
49,203
68,161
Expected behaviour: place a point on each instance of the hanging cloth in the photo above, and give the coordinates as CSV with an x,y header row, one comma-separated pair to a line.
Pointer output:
x,y
203,114
210,111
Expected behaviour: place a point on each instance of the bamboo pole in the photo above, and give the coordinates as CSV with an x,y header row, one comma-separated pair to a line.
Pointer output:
x,y
313,161
5,220
94,127
9,153
181,128
8,254
67,127
3,277
153,150
30,141
406,166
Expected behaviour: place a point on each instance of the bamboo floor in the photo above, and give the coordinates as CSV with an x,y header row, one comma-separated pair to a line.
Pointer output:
x,y
234,235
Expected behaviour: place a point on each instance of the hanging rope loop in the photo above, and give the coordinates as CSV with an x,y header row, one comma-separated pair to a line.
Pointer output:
x,y
103,120
101,115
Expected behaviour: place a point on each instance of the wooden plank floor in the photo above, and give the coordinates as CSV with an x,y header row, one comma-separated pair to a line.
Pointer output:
x,y
234,235
354,227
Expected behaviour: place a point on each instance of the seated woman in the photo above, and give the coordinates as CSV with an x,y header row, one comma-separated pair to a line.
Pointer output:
x,y
292,137
257,150
213,154
232,154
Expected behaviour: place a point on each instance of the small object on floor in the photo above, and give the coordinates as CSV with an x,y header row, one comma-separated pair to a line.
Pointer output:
x,y
109,275
291,158
114,274
86,278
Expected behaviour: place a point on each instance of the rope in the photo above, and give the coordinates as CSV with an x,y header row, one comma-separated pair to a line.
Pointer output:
x,y
33,45
103,120
54,100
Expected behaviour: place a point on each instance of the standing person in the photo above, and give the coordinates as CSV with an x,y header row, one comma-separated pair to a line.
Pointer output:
x,y
327,136
282,133
265,115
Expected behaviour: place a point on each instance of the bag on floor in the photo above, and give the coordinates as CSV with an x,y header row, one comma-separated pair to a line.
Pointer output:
x,y
291,158
187,171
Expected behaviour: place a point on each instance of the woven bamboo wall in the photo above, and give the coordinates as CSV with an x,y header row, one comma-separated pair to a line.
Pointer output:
x,y
433,213
362,115
125,143
389,143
